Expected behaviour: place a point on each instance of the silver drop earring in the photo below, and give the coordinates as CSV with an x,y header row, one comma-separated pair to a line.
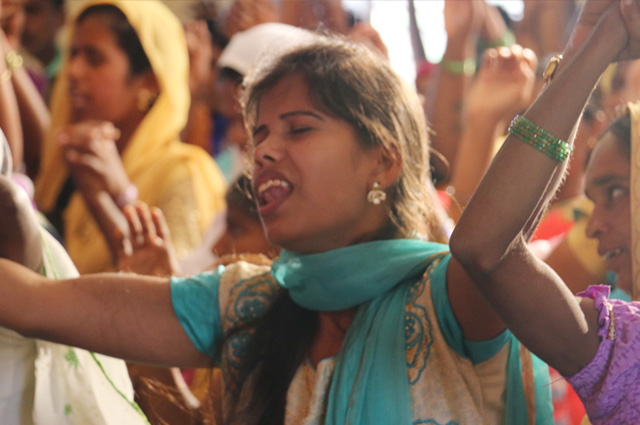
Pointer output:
x,y
376,195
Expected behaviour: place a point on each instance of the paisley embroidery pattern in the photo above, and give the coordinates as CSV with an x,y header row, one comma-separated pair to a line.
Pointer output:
x,y
418,327
252,297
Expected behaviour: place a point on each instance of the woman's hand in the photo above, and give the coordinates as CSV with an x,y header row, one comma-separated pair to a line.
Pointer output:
x,y
504,84
245,14
147,249
12,19
90,151
628,11
463,18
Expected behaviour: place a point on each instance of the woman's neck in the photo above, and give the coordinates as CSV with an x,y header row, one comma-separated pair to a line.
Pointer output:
x,y
332,328
127,129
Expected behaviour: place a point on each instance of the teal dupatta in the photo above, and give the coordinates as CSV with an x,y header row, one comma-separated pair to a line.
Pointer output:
x,y
370,383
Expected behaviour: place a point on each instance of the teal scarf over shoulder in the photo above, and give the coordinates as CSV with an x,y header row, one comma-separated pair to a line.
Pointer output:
x,y
370,383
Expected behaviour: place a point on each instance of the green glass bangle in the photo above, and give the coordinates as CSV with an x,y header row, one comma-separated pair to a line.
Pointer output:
x,y
539,138
465,67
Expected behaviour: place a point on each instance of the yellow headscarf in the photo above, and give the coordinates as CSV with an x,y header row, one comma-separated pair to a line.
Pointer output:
x,y
154,156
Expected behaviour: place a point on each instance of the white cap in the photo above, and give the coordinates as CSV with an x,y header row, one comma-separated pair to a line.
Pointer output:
x,y
246,48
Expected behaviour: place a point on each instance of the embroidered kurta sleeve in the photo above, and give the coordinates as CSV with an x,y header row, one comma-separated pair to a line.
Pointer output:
x,y
608,386
212,304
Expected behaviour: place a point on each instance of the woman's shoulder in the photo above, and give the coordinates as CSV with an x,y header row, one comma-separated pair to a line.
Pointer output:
x,y
246,291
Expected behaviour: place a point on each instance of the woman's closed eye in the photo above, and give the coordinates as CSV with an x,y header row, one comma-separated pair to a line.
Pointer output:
x,y
615,192
300,130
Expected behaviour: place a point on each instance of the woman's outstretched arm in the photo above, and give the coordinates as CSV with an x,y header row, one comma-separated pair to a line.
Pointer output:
x,y
121,315
490,238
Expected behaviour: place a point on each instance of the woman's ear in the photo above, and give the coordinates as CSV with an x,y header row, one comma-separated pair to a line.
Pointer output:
x,y
148,90
150,82
388,167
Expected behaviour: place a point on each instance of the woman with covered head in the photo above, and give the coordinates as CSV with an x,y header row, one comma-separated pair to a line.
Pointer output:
x,y
364,318
119,104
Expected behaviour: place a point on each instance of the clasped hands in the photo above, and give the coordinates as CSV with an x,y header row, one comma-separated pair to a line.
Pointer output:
x,y
90,151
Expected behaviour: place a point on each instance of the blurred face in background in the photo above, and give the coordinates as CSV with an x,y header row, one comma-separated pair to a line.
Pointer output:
x,y
101,86
43,20
608,186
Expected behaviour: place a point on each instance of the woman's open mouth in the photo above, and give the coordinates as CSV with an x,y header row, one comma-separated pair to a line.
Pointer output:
x,y
271,194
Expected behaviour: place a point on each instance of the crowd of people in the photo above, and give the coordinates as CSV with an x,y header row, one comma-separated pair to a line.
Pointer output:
x,y
250,218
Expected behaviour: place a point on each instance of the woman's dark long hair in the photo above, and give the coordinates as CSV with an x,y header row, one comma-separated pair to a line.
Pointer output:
x,y
280,343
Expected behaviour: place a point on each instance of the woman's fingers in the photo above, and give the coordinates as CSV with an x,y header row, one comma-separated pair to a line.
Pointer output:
x,y
135,226
161,226
148,226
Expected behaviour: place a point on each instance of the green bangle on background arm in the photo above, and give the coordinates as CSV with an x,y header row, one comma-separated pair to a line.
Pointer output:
x,y
466,67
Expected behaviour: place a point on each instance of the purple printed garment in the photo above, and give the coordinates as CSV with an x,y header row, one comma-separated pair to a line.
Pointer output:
x,y
609,386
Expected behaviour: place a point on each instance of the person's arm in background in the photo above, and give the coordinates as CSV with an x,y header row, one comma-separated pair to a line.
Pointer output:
x,y
543,25
463,20
502,88
202,57
9,111
334,17
325,14
244,14
33,113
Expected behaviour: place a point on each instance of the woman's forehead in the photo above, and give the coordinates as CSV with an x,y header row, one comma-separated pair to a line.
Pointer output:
x,y
608,159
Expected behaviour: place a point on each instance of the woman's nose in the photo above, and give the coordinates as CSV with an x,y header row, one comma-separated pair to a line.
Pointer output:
x,y
74,68
269,150
596,225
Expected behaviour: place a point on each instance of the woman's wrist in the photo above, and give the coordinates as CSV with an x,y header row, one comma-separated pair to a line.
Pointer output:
x,y
128,196
575,78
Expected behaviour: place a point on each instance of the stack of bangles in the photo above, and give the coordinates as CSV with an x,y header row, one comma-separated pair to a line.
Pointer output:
x,y
540,139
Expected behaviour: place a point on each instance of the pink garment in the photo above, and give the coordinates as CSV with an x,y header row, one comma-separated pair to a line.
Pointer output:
x,y
609,386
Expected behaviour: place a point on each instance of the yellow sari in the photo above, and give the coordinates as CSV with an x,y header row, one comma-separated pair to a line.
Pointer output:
x,y
182,180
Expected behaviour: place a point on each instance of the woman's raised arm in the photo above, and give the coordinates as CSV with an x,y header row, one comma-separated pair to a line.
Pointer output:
x,y
490,238
121,315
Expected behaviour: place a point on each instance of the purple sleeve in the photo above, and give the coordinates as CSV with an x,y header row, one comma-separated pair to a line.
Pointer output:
x,y
609,386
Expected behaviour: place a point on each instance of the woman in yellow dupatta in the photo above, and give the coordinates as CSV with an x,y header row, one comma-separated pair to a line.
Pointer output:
x,y
148,110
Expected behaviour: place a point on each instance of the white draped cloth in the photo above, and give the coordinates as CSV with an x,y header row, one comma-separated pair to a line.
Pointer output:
x,y
43,383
